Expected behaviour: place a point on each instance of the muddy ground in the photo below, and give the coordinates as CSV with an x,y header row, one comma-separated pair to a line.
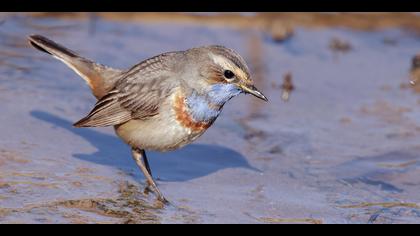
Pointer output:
x,y
342,148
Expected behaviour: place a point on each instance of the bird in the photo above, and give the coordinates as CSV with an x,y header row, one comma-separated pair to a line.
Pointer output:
x,y
162,103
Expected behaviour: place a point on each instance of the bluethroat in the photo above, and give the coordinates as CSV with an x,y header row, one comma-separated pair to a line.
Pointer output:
x,y
162,103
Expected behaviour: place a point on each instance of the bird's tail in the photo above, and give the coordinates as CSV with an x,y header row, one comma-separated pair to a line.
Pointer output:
x,y
100,78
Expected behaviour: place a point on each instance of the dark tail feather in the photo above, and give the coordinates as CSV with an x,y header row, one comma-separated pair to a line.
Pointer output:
x,y
48,46
100,78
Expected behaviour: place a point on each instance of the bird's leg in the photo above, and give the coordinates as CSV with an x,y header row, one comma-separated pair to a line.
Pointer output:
x,y
139,156
146,163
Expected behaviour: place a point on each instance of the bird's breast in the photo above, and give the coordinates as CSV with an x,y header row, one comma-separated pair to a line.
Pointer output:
x,y
194,113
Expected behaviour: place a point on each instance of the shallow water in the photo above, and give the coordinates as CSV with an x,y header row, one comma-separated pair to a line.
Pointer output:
x,y
343,149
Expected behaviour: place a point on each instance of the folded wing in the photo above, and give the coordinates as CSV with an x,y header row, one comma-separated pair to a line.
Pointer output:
x,y
138,95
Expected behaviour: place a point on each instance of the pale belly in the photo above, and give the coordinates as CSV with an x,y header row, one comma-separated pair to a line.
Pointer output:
x,y
159,133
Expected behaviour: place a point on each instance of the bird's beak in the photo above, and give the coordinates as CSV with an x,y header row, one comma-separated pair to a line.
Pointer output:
x,y
251,89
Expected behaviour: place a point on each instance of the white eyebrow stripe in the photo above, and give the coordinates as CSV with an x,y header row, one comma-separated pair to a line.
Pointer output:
x,y
221,61
226,64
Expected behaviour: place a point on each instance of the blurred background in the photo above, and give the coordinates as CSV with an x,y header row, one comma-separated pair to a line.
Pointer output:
x,y
338,141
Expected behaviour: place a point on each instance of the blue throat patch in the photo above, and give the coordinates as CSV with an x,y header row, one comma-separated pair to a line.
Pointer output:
x,y
204,108
221,93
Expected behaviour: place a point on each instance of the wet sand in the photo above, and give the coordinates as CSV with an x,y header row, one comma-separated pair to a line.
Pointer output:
x,y
343,148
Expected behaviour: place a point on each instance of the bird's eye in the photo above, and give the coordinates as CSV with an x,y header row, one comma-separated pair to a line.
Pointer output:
x,y
229,74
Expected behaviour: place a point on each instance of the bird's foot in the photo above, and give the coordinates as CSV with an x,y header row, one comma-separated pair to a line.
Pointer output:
x,y
152,187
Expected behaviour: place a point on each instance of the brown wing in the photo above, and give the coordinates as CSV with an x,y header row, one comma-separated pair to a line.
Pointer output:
x,y
138,95
106,112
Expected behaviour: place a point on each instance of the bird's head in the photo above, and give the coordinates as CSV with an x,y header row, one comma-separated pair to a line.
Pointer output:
x,y
224,74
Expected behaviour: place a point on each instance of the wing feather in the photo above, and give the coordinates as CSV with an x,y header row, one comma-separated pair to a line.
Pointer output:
x,y
138,95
